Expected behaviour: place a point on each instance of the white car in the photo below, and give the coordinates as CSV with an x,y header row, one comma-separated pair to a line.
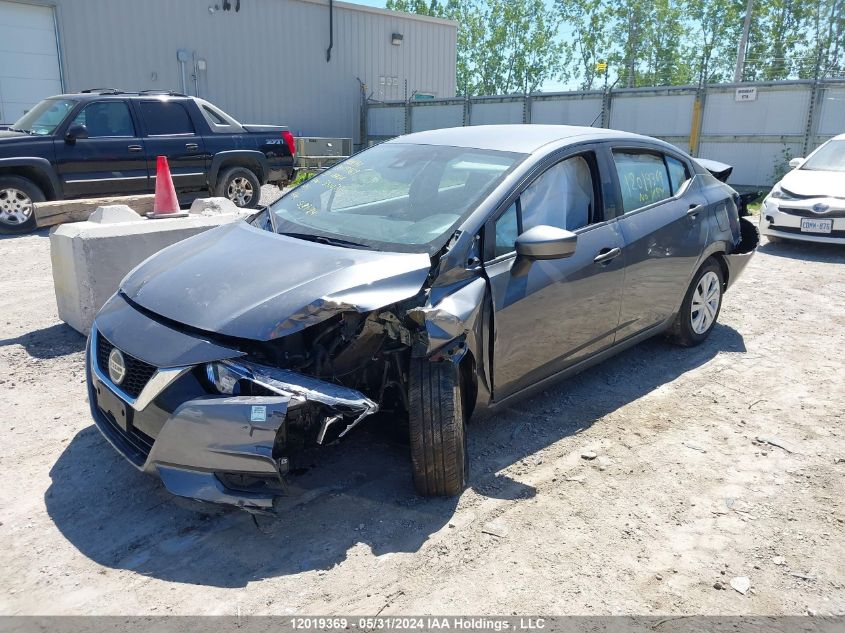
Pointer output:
x,y
808,203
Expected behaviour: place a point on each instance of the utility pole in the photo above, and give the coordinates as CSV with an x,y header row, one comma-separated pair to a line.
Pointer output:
x,y
633,35
743,43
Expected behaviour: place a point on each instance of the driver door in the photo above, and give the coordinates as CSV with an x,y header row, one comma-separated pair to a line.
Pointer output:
x,y
551,314
110,160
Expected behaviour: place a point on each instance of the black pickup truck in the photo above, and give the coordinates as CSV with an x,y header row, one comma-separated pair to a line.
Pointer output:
x,y
105,143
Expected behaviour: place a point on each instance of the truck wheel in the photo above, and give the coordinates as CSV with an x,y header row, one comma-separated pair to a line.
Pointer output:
x,y
437,428
701,306
239,185
17,204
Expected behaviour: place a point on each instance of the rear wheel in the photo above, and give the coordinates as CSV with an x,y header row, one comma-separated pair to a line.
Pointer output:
x,y
241,186
17,204
437,428
701,306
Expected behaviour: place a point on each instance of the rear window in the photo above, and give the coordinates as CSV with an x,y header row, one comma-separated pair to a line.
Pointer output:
x,y
164,118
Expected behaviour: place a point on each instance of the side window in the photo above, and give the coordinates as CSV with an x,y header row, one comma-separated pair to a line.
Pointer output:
x,y
678,174
563,196
106,118
164,118
642,177
212,116
507,230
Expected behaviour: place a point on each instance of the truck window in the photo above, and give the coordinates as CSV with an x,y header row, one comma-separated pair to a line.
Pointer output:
x,y
212,116
165,118
106,118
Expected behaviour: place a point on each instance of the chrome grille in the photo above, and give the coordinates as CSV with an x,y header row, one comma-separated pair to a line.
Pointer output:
x,y
138,373
807,213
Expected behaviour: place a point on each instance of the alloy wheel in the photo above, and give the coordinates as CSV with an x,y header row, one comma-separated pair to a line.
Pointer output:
x,y
705,302
15,207
240,191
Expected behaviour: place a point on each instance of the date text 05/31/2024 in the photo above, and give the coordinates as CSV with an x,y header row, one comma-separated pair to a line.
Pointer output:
x,y
433,623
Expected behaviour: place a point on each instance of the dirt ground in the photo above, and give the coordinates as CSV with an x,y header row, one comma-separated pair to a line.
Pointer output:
x,y
681,498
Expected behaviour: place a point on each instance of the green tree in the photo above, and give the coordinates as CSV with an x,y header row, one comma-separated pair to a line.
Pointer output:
x,y
823,53
590,41
504,46
712,41
776,40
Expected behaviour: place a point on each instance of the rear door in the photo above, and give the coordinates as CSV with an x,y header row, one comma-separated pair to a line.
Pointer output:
x,y
553,313
664,225
170,131
110,161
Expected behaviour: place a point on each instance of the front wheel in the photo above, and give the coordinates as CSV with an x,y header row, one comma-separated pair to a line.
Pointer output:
x,y
241,186
437,428
701,306
17,204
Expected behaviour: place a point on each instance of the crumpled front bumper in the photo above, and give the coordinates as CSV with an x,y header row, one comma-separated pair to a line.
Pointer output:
x,y
206,440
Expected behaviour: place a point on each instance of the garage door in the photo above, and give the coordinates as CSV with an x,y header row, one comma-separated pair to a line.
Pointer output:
x,y
29,59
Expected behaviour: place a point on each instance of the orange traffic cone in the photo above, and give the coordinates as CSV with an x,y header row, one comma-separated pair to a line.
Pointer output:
x,y
166,204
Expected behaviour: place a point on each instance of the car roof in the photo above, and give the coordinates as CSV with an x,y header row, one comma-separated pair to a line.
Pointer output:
x,y
521,138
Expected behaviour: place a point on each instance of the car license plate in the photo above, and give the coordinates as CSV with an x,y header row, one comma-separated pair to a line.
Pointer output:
x,y
811,225
112,405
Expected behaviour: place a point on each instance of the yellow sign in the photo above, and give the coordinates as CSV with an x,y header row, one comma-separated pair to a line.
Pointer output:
x,y
601,67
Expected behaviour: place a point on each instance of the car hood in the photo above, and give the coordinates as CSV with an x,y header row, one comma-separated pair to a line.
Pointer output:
x,y
246,282
807,182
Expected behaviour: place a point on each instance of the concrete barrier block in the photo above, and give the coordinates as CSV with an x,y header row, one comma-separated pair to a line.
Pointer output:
x,y
213,206
90,259
114,213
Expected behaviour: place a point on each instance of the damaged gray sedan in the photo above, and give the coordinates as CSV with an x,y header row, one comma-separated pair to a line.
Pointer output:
x,y
423,279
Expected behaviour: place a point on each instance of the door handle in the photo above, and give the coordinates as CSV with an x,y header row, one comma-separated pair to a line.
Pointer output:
x,y
606,255
191,147
136,148
694,210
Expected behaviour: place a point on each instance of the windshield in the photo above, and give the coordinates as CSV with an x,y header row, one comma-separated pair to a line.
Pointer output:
x,y
829,157
44,117
394,196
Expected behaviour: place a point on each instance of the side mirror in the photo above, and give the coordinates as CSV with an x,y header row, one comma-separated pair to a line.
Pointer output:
x,y
75,132
795,163
546,242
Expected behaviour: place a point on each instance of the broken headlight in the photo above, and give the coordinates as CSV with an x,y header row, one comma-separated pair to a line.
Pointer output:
x,y
226,378
780,193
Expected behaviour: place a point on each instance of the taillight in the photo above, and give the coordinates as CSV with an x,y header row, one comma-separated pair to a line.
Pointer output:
x,y
290,141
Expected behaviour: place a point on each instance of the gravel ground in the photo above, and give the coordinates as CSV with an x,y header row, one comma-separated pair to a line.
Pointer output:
x,y
681,498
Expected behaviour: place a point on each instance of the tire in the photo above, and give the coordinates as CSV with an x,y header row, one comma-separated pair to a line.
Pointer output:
x,y
437,429
696,319
240,185
17,198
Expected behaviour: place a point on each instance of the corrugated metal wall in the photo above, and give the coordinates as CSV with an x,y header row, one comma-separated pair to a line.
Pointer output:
x,y
265,63
787,119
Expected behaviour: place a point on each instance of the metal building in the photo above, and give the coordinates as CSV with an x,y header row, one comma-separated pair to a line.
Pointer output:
x,y
286,62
